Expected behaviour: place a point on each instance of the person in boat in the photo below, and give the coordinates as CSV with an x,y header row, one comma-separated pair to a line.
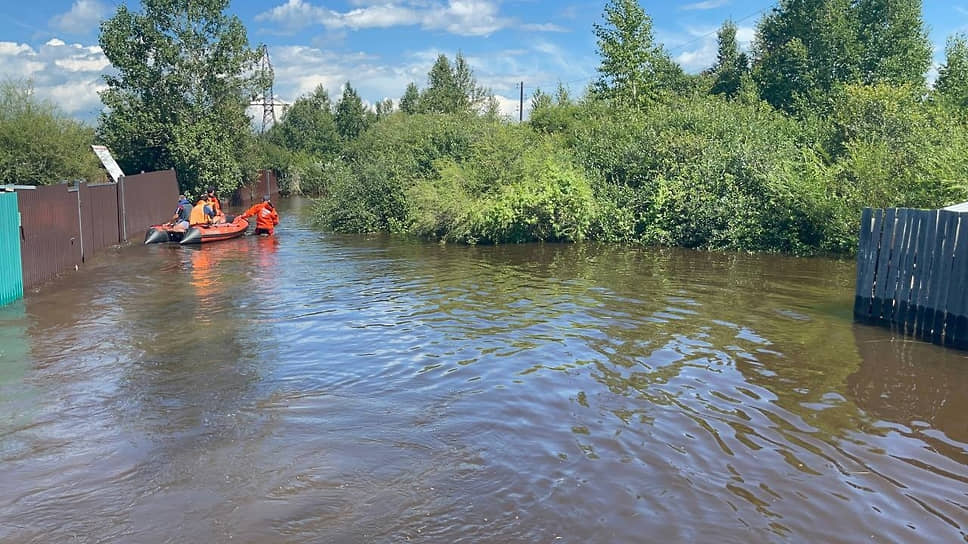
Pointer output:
x,y
180,220
202,213
216,206
266,217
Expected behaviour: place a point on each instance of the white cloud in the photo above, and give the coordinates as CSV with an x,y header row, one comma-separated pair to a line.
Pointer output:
x,y
707,4
509,106
82,18
68,75
543,27
461,17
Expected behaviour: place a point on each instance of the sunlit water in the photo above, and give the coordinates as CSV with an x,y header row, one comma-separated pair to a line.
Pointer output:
x,y
324,388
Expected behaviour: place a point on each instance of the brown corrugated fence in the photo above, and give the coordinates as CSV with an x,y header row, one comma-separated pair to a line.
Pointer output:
x,y
62,226
50,236
149,199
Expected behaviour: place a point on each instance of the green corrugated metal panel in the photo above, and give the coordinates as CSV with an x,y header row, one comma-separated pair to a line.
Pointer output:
x,y
11,274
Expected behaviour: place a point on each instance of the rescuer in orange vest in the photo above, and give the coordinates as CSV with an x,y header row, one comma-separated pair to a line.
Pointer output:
x,y
265,215
216,205
202,213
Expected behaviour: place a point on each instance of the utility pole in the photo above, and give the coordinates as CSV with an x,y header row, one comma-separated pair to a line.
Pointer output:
x,y
521,104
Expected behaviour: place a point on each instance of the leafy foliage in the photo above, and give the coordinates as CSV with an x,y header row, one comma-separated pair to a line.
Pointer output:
x,y
952,84
178,99
39,145
634,71
351,117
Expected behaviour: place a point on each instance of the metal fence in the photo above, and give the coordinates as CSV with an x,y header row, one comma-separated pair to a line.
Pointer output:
x,y
50,241
63,225
912,273
149,199
60,226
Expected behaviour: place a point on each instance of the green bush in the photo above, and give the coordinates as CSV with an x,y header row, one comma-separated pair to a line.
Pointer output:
x,y
39,145
514,187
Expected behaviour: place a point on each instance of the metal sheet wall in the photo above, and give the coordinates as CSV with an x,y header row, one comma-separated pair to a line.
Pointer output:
x,y
149,199
51,240
99,212
64,226
11,278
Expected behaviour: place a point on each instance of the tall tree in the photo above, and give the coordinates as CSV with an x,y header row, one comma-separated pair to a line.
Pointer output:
x,y
540,100
350,114
894,42
474,96
731,64
309,126
442,95
807,48
177,98
804,49
410,101
952,83
384,108
634,70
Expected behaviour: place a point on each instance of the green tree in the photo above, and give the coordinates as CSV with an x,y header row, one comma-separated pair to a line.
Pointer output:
x,y
384,108
442,95
350,114
731,65
309,126
410,101
634,70
540,100
807,50
894,42
474,96
39,144
184,76
952,84
804,49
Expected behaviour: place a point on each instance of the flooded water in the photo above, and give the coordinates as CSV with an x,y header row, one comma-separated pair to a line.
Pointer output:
x,y
322,388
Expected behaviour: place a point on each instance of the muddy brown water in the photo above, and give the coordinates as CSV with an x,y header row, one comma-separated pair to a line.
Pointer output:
x,y
322,388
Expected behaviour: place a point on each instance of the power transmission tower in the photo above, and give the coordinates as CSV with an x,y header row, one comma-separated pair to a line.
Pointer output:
x,y
266,98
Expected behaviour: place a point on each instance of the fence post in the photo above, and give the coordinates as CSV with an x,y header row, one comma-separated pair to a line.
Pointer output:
x,y
122,213
80,219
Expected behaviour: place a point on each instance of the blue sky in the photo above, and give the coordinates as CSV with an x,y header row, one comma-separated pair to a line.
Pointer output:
x,y
381,45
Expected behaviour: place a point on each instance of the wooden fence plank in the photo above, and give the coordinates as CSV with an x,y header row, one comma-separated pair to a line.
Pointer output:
x,y
870,273
938,301
924,273
905,272
861,302
882,275
953,298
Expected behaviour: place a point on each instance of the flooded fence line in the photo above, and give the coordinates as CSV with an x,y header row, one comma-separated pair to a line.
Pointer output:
x,y
912,273
267,184
61,226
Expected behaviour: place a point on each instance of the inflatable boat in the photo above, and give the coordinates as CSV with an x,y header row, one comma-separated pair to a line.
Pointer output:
x,y
199,234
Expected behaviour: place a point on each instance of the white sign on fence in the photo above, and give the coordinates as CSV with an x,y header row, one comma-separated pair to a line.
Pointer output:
x,y
108,161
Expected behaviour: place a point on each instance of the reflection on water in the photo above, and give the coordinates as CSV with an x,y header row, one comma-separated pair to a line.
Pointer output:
x,y
321,388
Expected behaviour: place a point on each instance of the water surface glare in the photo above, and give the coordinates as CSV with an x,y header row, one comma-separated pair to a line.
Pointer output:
x,y
322,388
